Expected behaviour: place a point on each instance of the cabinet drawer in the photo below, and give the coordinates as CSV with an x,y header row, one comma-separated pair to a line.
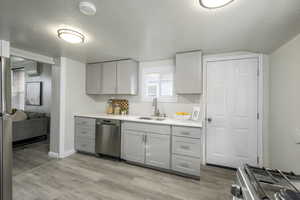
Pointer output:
x,y
85,132
149,128
85,145
83,121
186,132
186,146
186,165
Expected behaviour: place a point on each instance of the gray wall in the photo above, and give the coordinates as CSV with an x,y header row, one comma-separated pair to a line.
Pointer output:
x,y
284,120
45,77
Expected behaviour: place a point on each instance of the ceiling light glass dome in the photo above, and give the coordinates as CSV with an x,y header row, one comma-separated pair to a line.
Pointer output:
x,y
70,36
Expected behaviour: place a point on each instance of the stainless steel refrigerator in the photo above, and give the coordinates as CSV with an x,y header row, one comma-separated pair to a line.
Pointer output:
x,y
5,131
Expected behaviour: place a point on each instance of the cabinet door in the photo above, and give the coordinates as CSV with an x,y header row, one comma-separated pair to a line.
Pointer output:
x,y
127,77
109,77
188,73
158,150
134,146
93,78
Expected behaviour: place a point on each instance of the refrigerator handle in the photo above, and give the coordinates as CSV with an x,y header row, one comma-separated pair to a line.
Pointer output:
x,y
5,131
6,86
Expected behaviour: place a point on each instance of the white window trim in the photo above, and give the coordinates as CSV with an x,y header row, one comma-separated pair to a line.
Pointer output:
x,y
154,64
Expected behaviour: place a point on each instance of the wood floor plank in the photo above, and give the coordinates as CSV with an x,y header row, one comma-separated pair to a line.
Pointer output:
x,y
87,177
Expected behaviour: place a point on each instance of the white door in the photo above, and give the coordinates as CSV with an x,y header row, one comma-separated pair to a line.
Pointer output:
x,y
158,150
232,106
134,146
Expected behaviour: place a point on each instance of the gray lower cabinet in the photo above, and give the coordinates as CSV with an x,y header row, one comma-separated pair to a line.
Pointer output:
x,y
158,150
85,145
173,148
188,73
146,144
186,165
134,146
85,131
186,150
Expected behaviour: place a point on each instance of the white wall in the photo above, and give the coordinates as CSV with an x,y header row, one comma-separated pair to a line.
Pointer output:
x,y
265,122
284,121
72,100
55,109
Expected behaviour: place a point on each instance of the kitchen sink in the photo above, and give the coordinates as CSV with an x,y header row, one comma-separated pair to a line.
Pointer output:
x,y
152,118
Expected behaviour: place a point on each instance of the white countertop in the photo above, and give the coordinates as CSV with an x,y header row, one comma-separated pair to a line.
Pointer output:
x,y
132,118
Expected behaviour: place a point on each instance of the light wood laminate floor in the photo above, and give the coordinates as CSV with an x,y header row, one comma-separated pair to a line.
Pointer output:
x,y
83,177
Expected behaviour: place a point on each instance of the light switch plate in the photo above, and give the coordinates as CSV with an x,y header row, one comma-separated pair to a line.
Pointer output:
x,y
4,48
297,136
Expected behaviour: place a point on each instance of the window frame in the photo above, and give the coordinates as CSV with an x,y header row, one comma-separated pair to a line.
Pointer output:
x,y
13,93
160,67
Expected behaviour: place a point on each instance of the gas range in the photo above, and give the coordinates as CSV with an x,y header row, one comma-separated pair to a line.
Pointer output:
x,y
253,183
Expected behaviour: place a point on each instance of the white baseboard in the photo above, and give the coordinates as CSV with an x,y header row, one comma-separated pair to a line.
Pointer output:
x,y
61,155
53,155
67,154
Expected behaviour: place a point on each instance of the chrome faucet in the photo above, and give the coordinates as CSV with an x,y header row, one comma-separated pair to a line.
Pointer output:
x,y
156,110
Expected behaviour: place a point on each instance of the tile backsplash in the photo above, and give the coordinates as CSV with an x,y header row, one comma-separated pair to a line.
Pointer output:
x,y
185,103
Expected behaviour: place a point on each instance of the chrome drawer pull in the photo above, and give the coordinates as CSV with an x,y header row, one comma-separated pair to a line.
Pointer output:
x,y
84,132
185,133
184,165
185,147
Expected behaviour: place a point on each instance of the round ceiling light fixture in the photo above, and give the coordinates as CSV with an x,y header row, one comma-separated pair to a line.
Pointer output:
x,y
212,4
70,36
87,8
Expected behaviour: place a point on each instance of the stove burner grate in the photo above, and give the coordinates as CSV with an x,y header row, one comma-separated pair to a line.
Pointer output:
x,y
276,180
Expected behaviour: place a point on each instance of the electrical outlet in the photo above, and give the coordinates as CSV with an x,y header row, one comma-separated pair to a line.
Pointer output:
x,y
297,136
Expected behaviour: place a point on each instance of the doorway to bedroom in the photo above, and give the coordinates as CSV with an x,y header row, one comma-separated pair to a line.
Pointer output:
x,y
31,103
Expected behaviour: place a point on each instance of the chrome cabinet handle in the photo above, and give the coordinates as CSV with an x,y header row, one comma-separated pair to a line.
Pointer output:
x,y
184,147
144,138
185,165
185,133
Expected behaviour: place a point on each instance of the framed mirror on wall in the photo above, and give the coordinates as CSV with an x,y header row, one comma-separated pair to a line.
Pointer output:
x,y
33,94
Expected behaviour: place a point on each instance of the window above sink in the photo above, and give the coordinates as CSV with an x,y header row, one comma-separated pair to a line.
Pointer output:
x,y
157,80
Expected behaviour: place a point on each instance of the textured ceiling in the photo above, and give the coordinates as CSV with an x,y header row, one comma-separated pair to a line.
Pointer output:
x,y
149,29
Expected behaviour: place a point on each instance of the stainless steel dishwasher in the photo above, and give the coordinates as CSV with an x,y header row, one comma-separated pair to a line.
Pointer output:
x,y
108,137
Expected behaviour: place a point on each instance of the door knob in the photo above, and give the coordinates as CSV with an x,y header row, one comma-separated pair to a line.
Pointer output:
x,y
209,120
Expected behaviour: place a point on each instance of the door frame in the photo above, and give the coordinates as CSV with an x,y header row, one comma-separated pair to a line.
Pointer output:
x,y
260,105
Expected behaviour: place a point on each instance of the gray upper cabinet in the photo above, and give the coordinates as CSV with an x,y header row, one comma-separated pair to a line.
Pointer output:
x,y
93,78
109,78
116,77
188,73
127,77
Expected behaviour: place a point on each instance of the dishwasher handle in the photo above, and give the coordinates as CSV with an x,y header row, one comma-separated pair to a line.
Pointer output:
x,y
108,122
